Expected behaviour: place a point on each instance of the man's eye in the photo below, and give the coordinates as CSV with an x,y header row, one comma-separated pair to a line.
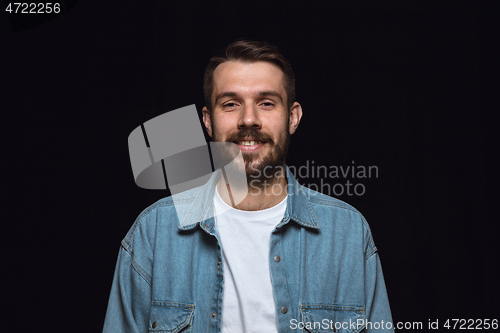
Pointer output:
x,y
229,105
267,104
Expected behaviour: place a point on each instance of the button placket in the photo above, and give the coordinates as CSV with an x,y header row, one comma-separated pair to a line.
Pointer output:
x,y
284,308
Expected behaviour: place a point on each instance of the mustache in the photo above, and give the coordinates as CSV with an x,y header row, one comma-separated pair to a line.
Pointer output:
x,y
253,133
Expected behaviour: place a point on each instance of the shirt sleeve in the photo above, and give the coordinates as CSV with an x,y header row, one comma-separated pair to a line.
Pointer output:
x,y
130,298
378,312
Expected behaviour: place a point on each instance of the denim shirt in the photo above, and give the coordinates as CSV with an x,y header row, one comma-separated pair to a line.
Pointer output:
x,y
325,269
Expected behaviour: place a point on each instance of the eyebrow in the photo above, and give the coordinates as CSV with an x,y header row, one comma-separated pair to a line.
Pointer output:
x,y
271,93
260,94
225,94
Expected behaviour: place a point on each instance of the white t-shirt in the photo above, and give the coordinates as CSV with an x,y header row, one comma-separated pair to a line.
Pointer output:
x,y
248,301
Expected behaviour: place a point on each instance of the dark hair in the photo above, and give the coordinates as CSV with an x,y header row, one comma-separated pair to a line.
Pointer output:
x,y
249,51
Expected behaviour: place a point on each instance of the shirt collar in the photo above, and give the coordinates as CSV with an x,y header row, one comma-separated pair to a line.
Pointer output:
x,y
196,206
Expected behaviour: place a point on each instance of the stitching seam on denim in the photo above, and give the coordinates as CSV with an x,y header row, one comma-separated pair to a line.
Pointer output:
x,y
173,304
370,254
332,307
334,204
142,273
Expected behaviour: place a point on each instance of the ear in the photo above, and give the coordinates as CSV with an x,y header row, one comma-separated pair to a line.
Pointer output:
x,y
207,121
295,116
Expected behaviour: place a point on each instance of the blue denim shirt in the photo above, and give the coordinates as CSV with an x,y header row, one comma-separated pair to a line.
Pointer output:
x,y
169,275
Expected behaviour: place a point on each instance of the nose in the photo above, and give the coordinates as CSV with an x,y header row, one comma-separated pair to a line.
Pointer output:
x,y
249,118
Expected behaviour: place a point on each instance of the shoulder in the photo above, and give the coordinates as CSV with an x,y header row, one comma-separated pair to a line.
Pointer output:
x,y
329,202
336,216
326,204
164,213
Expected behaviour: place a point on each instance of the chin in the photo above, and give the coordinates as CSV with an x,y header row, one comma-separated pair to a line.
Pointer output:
x,y
253,168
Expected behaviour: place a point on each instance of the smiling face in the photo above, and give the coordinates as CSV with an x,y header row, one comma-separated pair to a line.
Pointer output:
x,y
249,109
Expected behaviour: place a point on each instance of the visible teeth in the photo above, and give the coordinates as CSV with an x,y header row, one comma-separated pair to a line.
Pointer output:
x,y
247,143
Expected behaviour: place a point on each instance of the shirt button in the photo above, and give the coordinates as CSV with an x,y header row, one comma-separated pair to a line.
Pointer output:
x,y
218,263
154,324
277,258
284,310
214,314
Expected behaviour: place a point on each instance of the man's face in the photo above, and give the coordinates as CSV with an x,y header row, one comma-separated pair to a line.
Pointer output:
x,y
249,109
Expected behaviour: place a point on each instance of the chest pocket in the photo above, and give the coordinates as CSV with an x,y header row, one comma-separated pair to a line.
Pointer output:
x,y
322,318
168,317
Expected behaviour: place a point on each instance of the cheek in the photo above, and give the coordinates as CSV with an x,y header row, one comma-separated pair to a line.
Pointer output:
x,y
220,130
282,127
225,123
275,122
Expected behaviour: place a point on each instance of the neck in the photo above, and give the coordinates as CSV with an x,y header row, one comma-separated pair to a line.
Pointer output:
x,y
262,194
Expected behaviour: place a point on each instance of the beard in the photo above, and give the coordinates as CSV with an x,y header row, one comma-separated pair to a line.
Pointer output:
x,y
261,170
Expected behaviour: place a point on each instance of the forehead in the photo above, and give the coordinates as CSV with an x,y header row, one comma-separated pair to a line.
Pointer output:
x,y
248,77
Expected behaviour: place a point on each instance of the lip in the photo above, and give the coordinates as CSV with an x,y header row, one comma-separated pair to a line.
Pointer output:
x,y
251,148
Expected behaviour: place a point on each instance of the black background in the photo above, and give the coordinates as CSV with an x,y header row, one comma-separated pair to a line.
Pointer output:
x,y
401,85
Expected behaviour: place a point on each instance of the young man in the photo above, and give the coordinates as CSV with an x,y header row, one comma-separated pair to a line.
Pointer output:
x,y
284,259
